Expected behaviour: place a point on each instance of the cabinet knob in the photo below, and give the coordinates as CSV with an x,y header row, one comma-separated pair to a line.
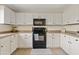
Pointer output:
x,y
11,41
2,46
52,38
76,39
69,42
25,38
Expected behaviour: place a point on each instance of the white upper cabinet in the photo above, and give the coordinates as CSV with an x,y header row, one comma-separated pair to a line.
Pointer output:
x,y
1,14
28,19
71,14
53,18
12,17
57,19
49,21
24,19
7,16
20,18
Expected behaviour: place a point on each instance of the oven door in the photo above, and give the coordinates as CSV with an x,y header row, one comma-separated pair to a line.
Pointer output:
x,y
39,38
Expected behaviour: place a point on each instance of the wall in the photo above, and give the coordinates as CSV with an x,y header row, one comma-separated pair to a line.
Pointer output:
x,y
24,28
1,14
71,27
71,16
4,28
54,27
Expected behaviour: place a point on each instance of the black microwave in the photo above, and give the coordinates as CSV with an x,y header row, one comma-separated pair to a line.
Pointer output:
x,y
39,22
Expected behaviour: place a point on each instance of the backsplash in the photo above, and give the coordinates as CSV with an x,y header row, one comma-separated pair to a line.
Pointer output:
x,y
72,27
20,28
5,28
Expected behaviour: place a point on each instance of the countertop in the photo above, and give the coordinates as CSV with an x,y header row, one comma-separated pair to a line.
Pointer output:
x,y
2,35
70,33
54,31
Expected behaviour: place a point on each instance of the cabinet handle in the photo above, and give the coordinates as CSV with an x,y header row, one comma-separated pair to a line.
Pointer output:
x,y
52,38
67,21
1,46
76,39
11,41
69,42
25,38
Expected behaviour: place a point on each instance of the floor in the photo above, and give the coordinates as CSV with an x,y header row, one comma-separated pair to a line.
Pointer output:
x,y
24,51
41,52
58,51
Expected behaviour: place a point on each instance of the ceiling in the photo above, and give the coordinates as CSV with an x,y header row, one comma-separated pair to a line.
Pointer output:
x,y
37,8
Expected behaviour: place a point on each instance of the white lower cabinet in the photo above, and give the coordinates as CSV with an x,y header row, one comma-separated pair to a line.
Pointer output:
x,y
13,43
8,44
49,40
70,44
56,40
5,46
53,40
65,43
74,46
25,40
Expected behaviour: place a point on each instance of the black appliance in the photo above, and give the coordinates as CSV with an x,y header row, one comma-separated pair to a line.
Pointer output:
x,y
39,37
39,22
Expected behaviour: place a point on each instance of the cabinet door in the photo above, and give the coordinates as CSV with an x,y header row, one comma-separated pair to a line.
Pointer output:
x,y
66,43
28,19
49,19
6,15
63,38
5,46
57,19
20,18
56,39
49,40
28,39
13,43
25,40
12,17
16,40
1,14
75,44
